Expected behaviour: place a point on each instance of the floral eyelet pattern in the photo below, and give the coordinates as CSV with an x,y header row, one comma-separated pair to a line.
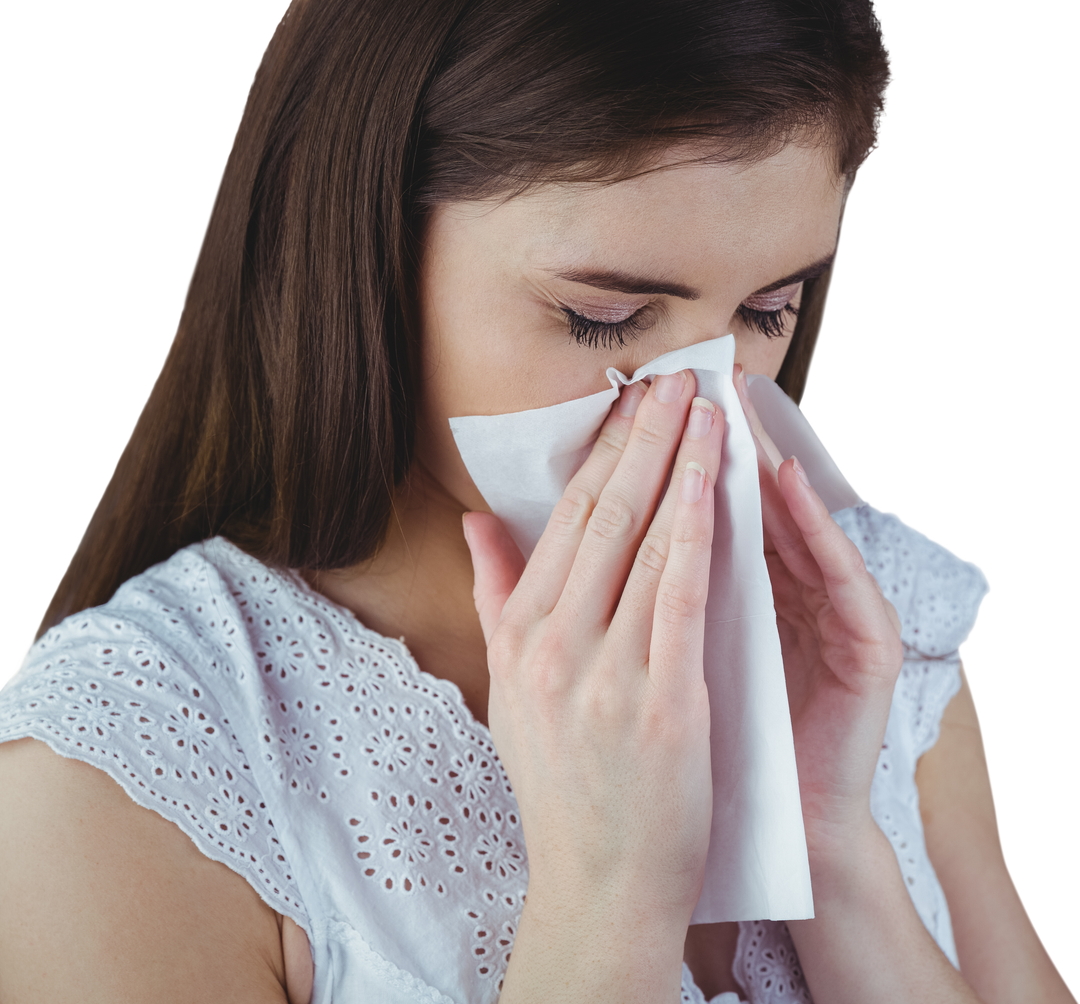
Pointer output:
x,y
357,794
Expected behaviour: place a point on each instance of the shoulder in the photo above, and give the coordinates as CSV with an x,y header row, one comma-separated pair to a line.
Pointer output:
x,y
155,688
101,894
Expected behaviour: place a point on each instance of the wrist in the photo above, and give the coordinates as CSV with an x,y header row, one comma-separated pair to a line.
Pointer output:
x,y
842,856
866,940
598,944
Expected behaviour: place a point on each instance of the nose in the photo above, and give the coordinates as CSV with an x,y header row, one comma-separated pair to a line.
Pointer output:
x,y
641,353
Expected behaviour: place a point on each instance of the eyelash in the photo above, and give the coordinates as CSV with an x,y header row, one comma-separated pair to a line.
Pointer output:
x,y
602,335
770,323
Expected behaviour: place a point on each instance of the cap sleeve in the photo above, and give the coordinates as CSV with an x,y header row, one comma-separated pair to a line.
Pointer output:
x,y
935,593
102,688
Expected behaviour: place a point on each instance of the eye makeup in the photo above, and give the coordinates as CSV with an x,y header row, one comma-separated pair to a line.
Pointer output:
x,y
615,325
772,301
771,323
599,334
768,312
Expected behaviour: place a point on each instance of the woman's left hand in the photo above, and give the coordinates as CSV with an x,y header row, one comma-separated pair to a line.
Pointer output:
x,y
840,639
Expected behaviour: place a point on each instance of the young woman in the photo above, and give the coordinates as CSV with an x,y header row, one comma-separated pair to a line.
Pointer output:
x,y
438,209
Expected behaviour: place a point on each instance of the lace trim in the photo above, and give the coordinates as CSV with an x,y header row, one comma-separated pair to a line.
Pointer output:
x,y
335,710
935,593
392,976
767,966
692,995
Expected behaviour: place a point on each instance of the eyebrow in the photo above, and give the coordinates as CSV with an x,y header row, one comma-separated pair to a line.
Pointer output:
x,y
818,268
615,281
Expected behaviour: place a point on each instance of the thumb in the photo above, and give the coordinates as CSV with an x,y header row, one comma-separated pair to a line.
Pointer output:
x,y
497,566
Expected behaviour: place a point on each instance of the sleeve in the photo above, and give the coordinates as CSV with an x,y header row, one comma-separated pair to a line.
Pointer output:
x,y
102,689
935,593
937,597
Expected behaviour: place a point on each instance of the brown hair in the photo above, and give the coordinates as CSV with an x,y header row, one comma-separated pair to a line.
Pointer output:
x,y
283,417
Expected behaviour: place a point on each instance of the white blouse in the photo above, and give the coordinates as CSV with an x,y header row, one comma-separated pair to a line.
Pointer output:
x,y
358,795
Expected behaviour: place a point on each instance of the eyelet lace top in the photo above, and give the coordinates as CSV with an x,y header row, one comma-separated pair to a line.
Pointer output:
x,y
358,795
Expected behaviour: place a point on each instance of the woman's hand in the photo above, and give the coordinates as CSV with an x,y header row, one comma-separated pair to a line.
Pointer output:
x,y
842,654
841,644
598,704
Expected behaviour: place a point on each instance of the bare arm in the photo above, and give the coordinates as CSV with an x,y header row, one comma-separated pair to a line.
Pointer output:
x,y
866,942
1000,953
866,908
102,900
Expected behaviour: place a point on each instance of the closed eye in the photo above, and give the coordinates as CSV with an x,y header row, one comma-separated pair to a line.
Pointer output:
x,y
595,334
769,312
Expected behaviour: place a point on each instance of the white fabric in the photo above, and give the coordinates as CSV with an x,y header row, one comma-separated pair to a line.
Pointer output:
x,y
225,695
521,463
357,794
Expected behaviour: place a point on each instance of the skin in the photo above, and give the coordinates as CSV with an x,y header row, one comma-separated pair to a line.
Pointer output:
x,y
495,340
586,662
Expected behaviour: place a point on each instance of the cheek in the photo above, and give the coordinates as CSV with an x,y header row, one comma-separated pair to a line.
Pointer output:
x,y
757,354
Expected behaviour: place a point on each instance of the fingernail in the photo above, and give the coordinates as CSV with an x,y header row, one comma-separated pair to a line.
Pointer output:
x,y
702,413
630,398
669,387
465,529
798,470
693,482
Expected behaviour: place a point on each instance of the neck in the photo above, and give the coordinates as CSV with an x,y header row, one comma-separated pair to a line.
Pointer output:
x,y
419,587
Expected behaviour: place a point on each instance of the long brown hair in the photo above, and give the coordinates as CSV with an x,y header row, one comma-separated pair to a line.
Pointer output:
x,y
283,417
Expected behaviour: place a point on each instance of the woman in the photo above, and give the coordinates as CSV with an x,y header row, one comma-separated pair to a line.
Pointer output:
x,y
399,237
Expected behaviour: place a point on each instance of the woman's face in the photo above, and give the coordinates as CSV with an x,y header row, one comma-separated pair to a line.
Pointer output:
x,y
524,303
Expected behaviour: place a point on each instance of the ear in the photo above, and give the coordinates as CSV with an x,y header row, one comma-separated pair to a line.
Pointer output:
x,y
497,566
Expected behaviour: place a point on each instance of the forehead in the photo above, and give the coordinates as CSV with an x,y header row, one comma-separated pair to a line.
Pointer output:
x,y
684,218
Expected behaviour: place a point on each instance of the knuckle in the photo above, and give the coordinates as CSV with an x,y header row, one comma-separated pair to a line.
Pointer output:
x,y
612,519
504,650
665,715
653,553
572,511
652,436
550,670
610,443
691,534
679,601
536,665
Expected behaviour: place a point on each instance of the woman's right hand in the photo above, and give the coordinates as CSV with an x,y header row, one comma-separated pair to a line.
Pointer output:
x,y
598,703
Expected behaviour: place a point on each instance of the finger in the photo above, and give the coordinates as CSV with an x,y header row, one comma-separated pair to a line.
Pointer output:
x,y
546,573
497,566
761,437
783,536
852,590
678,621
702,444
780,532
628,502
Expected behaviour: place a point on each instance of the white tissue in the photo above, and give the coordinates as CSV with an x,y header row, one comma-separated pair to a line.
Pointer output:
x,y
757,866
